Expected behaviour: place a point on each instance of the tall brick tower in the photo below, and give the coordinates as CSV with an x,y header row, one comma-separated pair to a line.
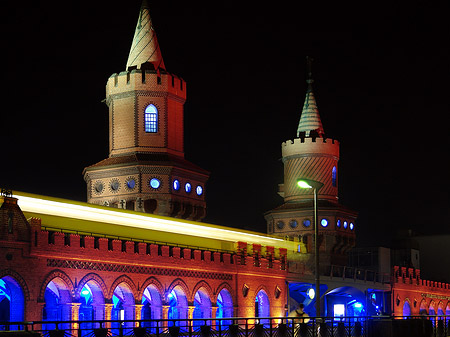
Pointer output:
x,y
313,156
146,170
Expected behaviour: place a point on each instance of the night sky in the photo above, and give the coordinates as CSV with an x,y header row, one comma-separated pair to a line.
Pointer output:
x,y
381,83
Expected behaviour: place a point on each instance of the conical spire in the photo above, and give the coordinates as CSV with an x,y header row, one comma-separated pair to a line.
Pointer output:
x,y
310,118
145,47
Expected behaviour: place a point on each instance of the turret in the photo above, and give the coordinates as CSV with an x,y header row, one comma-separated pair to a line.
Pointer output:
x,y
146,170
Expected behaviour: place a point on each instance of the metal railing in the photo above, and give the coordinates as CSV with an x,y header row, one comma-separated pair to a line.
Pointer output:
x,y
437,326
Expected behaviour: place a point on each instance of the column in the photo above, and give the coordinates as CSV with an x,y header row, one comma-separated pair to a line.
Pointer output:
x,y
191,309
165,315
213,316
75,311
137,313
108,310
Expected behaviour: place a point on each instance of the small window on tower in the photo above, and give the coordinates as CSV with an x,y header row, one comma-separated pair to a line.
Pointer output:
x,y
334,176
151,119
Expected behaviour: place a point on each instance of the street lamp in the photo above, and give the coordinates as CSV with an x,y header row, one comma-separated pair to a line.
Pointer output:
x,y
316,186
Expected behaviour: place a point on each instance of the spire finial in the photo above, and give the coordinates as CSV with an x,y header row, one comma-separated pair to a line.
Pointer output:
x,y
310,123
145,48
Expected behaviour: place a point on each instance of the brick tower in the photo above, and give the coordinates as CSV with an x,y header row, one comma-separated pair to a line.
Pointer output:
x,y
313,156
146,170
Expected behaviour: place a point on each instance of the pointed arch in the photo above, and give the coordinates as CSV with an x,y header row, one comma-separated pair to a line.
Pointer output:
x,y
56,274
19,279
202,284
406,310
151,281
123,279
176,283
226,286
91,277
263,288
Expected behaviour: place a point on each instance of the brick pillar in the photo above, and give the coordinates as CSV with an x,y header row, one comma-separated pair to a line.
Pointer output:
x,y
75,311
108,310
213,316
137,313
165,315
191,309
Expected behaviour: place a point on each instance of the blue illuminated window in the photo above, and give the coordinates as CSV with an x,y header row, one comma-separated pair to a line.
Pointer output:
x,y
345,224
176,185
306,222
155,183
188,187
334,176
352,226
151,119
199,190
324,222
338,223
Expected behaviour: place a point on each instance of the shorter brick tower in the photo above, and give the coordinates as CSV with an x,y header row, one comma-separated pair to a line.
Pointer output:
x,y
313,156
146,170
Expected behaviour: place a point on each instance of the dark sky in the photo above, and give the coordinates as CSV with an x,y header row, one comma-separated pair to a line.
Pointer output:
x,y
381,82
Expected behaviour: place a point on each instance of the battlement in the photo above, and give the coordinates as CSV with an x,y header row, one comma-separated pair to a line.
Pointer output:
x,y
63,245
310,145
146,80
411,276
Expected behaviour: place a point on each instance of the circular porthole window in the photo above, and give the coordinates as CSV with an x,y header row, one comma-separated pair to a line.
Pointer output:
x,y
306,222
98,187
280,224
199,190
114,185
155,183
324,222
351,226
293,223
131,183
176,184
345,224
188,187
338,224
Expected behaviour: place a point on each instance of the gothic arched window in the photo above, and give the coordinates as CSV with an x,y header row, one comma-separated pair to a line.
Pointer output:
x,y
151,119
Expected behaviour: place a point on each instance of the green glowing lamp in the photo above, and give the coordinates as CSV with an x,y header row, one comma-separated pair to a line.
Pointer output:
x,y
303,184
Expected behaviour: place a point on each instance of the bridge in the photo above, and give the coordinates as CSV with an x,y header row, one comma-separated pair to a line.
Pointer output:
x,y
378,326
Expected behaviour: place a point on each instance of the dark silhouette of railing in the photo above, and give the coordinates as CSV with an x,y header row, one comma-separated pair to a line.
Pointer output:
x,y
417,326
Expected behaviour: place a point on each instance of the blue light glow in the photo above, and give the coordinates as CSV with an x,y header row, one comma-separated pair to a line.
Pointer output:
x,y
324,222
351,226
155,183
345,224
176,185
199,190
188,187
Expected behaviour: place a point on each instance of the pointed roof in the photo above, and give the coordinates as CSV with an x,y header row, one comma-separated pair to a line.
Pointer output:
x,y
310,118
145,47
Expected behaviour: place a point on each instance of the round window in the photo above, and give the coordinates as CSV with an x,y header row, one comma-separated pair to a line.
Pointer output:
x,y
176,185
188,187
199,190
293,223
115,185
280,224
351,226
306,222
99,187
338,223
155,183
324,222
345,224
131,183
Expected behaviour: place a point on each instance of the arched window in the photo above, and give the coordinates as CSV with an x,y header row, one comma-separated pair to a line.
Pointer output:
x,y
334,176
151,119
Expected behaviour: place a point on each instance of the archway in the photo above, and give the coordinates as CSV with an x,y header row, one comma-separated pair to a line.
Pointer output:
x,y
123,307
224,307
406,309
423,308
202,304
57,306
12,302
447,309
262,306
345,301
178,305
151,307
92,306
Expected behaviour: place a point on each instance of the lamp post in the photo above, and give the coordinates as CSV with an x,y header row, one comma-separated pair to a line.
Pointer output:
x,y
316,186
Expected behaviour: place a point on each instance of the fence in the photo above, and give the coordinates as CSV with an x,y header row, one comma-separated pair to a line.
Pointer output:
x,y
431,326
